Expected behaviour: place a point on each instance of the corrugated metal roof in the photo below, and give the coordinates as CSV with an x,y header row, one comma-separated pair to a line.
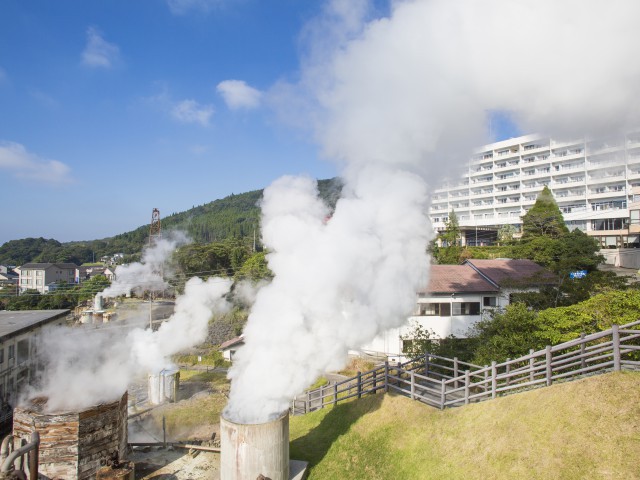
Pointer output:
x,y
14,322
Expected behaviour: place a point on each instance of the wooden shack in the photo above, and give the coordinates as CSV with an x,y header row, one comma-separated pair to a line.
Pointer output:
x,y
74,444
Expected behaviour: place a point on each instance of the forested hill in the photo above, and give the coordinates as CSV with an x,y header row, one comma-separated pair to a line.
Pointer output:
x,y
233,217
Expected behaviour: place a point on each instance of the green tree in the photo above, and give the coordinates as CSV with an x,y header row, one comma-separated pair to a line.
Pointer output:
x,y
255,268
506,333
27,300
506,233
451,250
544,219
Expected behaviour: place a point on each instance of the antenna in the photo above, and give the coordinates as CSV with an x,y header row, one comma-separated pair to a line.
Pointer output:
x,y
155,231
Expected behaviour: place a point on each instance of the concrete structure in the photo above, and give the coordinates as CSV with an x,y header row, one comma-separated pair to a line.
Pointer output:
x,y
595,183
44,276
457,297
73,444
250,450
19,332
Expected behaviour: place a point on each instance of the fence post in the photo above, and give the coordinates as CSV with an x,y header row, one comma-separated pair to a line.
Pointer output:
x,y
486,376
494,380
426,364
532,364
455,372
335,393
359,385
466,387
583,362
507,371
321,396
615,339
548,364
386,377
375,383
413,385
442,394
307,404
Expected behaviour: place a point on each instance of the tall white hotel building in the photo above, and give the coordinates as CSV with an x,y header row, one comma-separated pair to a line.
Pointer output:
x,y
596,184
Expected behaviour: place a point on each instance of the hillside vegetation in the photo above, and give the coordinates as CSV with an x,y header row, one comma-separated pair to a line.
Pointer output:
x,y
233,217
588,428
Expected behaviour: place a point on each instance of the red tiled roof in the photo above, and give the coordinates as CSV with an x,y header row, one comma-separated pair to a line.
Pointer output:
x,y
508,272
457,279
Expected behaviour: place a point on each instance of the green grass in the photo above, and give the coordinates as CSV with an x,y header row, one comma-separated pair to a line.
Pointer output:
x,y
217,379
588,428
184,417
213,358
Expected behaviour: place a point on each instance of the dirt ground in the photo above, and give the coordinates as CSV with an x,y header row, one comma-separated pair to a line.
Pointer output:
x,y
158,463
174,462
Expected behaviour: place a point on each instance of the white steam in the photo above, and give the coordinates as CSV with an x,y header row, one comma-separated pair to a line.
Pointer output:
x,y
87,366
149,273
399,102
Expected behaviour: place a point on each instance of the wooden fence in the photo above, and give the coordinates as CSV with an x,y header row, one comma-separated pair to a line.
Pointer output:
x,y
443,382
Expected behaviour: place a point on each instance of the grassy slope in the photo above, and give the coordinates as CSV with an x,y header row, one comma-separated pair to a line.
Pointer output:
x,y
588,428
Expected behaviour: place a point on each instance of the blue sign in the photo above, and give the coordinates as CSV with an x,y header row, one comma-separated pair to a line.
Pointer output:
x,y
578,274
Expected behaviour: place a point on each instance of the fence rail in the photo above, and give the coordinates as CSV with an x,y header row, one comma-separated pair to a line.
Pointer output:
x,y
444,382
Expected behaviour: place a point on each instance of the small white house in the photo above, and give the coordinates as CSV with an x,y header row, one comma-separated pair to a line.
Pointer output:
x,y
229,347
457,296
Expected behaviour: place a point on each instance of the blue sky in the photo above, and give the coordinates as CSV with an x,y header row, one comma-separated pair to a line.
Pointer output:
x,y
109,109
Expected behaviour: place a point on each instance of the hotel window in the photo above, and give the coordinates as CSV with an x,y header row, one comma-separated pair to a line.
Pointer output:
x,y
435,309
466,308
38,273
489,301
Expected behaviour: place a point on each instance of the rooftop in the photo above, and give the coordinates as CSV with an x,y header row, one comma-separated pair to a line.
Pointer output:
x,y
14,322
456,279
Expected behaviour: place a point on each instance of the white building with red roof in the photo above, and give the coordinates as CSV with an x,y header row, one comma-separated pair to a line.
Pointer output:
x,y
457,296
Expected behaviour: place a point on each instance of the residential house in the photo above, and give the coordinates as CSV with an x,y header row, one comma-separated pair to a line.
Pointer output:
x,y
44,277
8,276
84,273
457,296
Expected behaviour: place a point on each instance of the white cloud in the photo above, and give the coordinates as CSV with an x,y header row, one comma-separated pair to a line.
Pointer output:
x,y
98,53
190,111
15,158
181,7
237,94
43,98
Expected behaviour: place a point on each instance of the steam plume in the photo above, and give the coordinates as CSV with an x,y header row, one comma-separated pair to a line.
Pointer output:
x,y
87,366
399,102
148,273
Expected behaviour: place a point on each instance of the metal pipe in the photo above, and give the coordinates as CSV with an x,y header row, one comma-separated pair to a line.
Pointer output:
x,y
7,465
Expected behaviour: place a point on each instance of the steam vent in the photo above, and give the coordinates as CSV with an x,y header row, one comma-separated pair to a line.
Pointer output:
x,y
74,443
251,450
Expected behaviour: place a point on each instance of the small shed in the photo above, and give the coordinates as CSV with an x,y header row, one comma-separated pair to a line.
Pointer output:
x,y
230,347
